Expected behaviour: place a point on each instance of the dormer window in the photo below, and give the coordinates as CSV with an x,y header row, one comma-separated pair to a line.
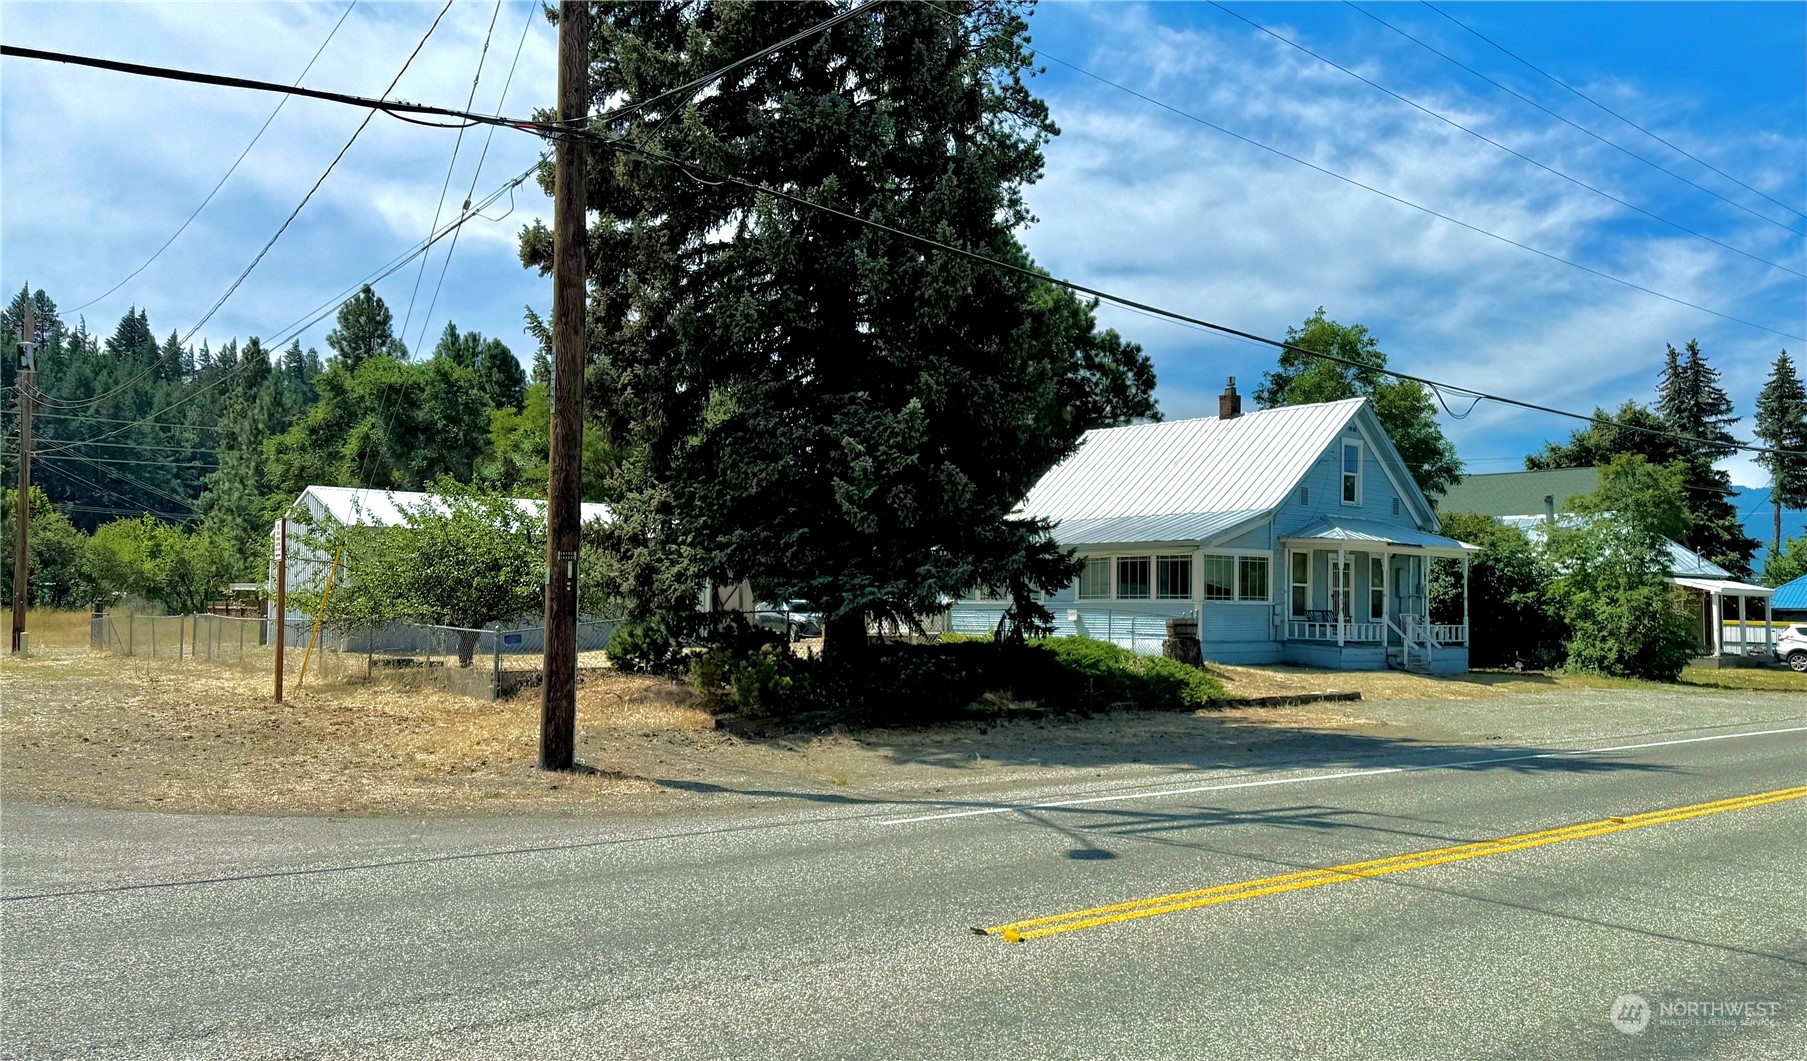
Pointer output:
x,y
1352,473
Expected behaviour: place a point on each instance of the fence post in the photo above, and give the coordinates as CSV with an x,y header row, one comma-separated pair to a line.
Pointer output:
x,y
495,647
181,636
131,634
153,637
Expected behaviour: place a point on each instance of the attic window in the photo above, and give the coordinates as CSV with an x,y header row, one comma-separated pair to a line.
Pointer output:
x,y
1352,473
1396,506
1304,495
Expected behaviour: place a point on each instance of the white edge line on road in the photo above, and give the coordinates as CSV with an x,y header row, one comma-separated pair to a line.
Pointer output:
x,y
1117,797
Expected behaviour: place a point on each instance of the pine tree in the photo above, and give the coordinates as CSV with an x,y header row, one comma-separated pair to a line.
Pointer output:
x,y
1693,405
1782,425
366,329
828,411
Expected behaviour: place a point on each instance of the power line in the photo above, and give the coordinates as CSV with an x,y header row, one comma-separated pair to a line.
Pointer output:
x,y
308,321
1558,81
445,186
478,172
706,176
135,423
284,227
1412,205
229,171
1622,149
1484,138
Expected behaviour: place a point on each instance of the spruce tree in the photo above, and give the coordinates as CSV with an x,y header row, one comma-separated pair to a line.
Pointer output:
x,y
1782,426
1694,406
366,329
794,399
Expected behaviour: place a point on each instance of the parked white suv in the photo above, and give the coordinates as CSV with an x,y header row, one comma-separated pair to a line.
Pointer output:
x,y
1791,647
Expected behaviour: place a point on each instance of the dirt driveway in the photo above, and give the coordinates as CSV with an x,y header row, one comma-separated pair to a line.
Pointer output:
x,y
81,728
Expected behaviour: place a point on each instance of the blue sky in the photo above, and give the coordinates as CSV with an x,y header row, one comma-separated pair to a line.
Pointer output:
x,y
98,170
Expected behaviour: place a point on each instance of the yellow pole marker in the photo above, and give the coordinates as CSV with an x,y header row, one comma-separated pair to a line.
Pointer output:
x,y
1034,928
318,616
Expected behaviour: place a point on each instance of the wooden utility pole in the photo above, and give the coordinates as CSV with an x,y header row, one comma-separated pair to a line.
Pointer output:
x,y
564,513
282,596
28,352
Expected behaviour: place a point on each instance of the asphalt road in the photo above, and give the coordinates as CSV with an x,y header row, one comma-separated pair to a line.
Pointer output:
x,y
823,926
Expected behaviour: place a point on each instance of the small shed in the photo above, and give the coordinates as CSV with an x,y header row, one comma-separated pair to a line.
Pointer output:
x,y
1789,605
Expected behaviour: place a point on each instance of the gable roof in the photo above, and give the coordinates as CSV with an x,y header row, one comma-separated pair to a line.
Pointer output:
x,y
1515,493
1683,561
1183,480
1791,595
384,508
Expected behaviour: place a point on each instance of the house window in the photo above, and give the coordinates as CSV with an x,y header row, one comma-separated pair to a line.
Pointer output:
x,y
1095,579
1220,575
1251,578
1377,587
1352,473
1132,578
1173,578
1301,584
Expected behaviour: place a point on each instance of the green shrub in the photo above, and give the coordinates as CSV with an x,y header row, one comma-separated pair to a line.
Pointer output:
x,y
1635,634
644,646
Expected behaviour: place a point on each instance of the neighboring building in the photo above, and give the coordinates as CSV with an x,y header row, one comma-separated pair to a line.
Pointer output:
x,y
1500,494
1789,605
1294,534
1741,609
309,564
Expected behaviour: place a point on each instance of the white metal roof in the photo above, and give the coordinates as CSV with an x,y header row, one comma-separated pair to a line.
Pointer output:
x,y
383,508
1724,585
1683,561
1245,464
1366,530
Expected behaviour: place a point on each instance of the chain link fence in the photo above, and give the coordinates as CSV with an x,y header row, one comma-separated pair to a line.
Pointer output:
x,y
480,663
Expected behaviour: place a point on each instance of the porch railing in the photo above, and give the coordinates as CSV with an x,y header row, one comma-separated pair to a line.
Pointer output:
x,y
1310,630
1449,634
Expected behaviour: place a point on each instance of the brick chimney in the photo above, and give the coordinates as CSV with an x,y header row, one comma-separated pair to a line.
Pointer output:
x,y
1229,403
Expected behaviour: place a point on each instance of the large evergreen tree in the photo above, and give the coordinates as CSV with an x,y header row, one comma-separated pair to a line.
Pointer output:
x,y
1404,408
366,329
829,411
1782,426
1697,409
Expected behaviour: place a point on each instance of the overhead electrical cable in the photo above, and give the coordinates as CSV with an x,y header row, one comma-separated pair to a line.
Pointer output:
x,y
477,173
1484,138
1677,148
712,177
230,170
240,279
1582,129
446,185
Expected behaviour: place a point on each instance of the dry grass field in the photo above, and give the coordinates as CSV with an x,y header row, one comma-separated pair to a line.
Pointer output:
x,y
83,727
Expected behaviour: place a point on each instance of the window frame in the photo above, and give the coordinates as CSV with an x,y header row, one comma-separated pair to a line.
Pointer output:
x,y
1377,588
1351,477
1110,579
1157,582
1294,584
1117,562
1208,561
1267,579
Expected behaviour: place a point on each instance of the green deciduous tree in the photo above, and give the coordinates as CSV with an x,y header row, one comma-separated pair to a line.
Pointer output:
x,y
159,562
1405,409
1782,426
1512,619
1607,582
468,561
1787,563
1652,497
825,410
62,573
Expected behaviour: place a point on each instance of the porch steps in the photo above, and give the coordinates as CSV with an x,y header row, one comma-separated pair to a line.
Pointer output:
x,y
1396,661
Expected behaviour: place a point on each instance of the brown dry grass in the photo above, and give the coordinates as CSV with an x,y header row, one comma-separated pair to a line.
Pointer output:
x,y
99,730
1475,685
56,628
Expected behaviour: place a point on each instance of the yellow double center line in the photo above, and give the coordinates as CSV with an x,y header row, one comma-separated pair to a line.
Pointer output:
x,y
1018,931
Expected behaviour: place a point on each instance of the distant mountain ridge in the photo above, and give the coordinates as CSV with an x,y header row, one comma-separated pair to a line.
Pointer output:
x,y
1752,503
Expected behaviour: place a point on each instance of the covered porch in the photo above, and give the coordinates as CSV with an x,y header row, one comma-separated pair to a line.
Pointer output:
x,y
1358,598
1732,621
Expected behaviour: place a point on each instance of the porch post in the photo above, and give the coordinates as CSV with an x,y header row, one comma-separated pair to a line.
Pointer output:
x,y
1718,623
1386,597
1742,635
1342,593
1465,638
